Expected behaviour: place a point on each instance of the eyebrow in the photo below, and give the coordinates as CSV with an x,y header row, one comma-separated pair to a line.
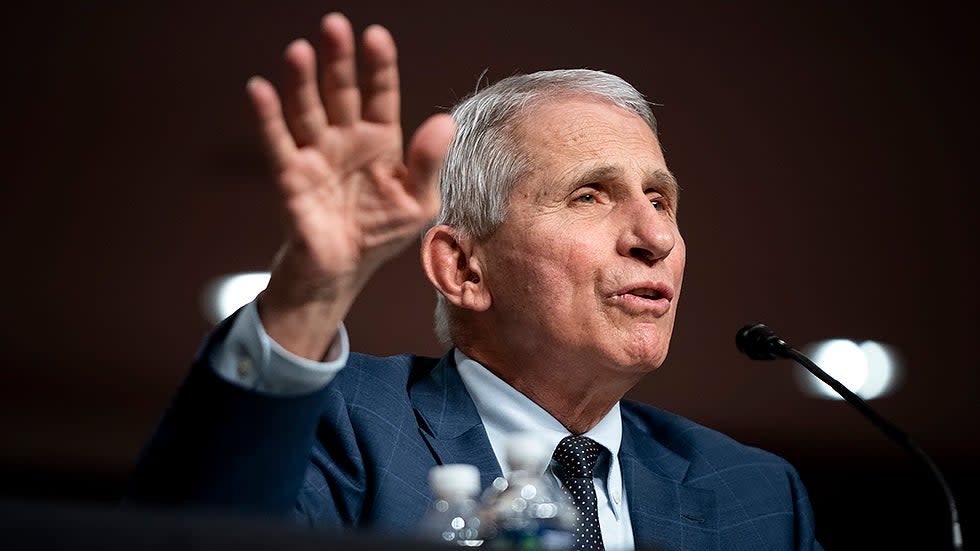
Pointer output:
x,y
663,179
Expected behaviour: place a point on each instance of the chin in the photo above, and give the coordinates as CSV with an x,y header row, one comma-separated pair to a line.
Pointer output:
x,y
644,355
631,361
642,366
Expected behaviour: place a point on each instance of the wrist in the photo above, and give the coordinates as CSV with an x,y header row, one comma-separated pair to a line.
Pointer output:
x,y
304,329
303,317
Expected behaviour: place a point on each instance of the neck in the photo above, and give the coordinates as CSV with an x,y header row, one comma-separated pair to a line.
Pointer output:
x,y
578,412
578,396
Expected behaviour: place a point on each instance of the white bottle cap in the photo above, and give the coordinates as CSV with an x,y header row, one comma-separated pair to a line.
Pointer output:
x,y
527,452
454,480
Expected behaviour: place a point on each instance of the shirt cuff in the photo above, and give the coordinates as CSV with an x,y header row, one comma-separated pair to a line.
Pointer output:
x,y
250,359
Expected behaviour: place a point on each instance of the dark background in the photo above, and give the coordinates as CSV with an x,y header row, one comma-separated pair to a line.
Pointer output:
x,y
825,152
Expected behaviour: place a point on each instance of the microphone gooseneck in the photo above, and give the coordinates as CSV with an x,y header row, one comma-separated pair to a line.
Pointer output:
x,y
760,343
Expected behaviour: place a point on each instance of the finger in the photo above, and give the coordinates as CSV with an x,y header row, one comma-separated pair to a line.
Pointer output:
x,y
379,76
304,110
340,93
426,155
278,142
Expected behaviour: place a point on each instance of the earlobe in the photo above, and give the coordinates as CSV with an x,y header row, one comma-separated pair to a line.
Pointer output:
x,y
452,269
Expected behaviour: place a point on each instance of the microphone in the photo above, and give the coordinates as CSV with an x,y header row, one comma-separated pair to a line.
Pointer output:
x,y
760,343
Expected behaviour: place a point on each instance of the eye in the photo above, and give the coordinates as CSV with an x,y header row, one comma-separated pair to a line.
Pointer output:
x,y
658,200
589,195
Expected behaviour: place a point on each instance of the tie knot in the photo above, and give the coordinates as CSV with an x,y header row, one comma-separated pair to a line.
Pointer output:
x,y
577,455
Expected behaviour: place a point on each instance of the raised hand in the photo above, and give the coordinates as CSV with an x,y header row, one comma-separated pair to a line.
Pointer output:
x,y
351,199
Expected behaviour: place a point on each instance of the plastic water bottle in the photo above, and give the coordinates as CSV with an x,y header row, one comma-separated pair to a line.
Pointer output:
x,y
528,511
454,517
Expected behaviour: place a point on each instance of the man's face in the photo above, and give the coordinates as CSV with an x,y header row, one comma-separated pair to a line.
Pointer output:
x,y
589,261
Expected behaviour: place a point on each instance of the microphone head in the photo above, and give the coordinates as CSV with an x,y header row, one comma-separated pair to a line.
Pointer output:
x,y
759,342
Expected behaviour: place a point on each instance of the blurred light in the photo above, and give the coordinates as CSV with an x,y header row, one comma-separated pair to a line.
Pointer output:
x,y
224,295
883,369
869,369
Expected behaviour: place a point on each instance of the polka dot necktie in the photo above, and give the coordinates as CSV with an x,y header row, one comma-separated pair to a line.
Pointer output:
x,y
576,457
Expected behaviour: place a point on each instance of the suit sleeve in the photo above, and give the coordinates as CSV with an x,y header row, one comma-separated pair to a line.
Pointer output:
x,y
804,525
220,446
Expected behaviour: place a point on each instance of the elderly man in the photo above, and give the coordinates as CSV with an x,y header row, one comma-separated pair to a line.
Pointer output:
x,y
558,264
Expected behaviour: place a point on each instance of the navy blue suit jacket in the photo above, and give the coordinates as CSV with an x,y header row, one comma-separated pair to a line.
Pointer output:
x,y
358,454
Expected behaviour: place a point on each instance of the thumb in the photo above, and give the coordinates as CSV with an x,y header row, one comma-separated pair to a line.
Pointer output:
x,y
426,155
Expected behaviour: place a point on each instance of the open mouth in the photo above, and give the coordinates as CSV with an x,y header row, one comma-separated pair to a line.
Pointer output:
x,y
648,291
649,294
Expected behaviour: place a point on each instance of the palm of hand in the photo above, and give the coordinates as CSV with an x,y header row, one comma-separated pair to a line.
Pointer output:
x,y
349,202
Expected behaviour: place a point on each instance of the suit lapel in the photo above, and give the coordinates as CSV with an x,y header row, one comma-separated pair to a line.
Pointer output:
x,y
665,512
449,422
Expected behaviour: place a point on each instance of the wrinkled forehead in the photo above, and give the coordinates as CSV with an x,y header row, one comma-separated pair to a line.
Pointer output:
x,y
540,109
583,137
577,121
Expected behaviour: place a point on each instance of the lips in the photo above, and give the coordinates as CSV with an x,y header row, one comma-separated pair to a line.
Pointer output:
x,y
648,290
651,294
644,298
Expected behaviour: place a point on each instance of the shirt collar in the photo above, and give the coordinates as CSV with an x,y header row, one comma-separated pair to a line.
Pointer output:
x,y
505,411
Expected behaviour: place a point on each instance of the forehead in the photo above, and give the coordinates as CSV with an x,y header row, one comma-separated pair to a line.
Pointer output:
x,y
577,137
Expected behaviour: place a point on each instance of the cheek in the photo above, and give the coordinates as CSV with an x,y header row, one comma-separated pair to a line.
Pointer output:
x,y
569,267
556,273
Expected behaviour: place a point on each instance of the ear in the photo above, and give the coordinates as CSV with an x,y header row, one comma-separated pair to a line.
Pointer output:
x,y
449,264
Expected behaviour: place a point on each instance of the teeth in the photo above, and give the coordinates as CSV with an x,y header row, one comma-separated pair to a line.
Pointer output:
x,y
646,293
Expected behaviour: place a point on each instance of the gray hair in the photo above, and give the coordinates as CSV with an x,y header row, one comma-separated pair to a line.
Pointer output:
x,y
485,158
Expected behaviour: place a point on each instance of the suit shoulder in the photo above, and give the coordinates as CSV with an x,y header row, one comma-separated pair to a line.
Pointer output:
x,y
758,496
694,441
387,377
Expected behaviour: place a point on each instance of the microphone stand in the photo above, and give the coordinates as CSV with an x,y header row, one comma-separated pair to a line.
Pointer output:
x,y
760,343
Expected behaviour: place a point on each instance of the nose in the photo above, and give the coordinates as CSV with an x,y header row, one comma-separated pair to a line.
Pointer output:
x,y
648,234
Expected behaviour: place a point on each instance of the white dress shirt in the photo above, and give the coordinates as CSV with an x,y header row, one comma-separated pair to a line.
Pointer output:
x,y
505,411
250,359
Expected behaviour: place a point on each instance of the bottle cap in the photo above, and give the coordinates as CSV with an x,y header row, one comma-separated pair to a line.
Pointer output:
x,y
454,480
527,452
